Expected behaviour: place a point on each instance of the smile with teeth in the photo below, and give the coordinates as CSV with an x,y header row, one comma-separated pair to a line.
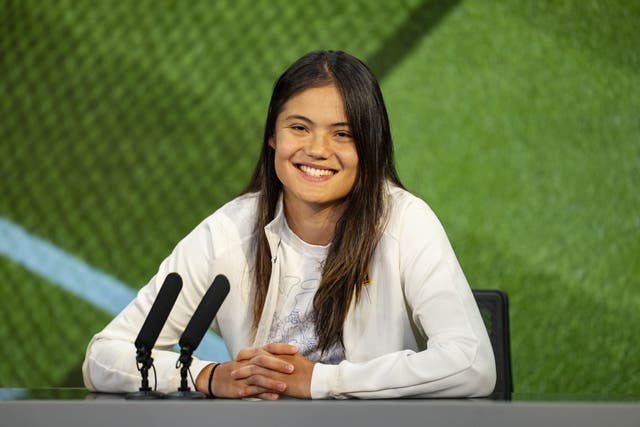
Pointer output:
x,y
316,172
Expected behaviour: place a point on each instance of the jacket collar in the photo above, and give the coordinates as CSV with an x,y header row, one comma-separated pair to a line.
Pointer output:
x,y
273,230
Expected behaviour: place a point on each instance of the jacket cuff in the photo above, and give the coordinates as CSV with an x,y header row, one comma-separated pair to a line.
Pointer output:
x,y
321,380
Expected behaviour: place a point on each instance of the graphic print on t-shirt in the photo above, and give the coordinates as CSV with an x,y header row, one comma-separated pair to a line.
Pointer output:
x,y
294,325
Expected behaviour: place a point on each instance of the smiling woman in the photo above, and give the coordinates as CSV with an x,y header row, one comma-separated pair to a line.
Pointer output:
x,y
339,277
316,161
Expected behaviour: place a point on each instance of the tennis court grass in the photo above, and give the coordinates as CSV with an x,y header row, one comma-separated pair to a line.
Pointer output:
x,y
44,330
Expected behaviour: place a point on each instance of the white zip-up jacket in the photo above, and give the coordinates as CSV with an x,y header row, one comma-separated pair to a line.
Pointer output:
x,y
416,330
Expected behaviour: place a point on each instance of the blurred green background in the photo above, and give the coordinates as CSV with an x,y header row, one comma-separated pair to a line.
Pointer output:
x,y
125,123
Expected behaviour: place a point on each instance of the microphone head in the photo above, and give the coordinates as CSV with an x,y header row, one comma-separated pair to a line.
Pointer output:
x,y
204,314
159,312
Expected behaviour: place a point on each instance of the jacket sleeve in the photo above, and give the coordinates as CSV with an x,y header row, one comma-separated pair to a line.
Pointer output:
x,y
458,360
110,364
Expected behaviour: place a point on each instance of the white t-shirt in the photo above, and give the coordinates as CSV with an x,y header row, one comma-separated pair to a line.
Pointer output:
x,y
299,280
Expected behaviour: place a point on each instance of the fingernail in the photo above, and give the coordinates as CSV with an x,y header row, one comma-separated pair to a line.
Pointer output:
x,y
281,387
233,374
289,368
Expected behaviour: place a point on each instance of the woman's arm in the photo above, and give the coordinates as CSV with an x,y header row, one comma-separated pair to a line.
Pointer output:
x,y
458,360
110,361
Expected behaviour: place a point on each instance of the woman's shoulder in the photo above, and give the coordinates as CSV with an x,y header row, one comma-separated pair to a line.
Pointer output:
x,y
408,210
244,204
400,199
236,217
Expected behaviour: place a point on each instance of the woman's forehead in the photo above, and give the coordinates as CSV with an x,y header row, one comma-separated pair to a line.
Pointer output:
x,y
319,105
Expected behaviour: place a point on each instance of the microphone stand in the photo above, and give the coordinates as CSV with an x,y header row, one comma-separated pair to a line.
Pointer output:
x,y
144,361
184,363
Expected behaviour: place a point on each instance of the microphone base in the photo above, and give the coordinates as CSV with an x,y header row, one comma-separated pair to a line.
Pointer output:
x,y
145,395
185,395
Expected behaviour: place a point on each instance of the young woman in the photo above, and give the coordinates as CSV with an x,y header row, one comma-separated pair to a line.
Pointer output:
x,y
343,284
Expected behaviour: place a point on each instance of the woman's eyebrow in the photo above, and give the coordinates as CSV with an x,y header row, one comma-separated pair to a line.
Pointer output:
x,y
340,124
299,117
311,122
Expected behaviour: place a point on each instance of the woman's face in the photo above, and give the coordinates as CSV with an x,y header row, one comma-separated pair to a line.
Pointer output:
x,y
315,154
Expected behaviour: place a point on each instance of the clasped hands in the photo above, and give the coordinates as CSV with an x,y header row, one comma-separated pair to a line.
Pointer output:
x,y
263,372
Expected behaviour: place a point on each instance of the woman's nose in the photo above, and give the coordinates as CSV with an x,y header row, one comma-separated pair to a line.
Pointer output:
x,y
318,146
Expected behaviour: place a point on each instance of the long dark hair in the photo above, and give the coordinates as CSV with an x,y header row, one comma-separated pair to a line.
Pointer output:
x,y
359,229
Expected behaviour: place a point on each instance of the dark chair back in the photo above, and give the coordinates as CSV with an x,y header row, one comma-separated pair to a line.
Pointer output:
x,y
494,307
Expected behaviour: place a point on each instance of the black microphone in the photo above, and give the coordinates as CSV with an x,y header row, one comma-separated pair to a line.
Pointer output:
x,y
159,312
195,330
150,330
204,314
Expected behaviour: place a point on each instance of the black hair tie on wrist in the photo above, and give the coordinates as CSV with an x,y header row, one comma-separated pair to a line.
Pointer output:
x,y
211,379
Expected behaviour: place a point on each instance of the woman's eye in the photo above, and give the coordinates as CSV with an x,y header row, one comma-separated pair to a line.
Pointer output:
x,y
343,134
299,128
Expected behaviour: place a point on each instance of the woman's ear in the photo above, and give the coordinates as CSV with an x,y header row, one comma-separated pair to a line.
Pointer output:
x,y
272,142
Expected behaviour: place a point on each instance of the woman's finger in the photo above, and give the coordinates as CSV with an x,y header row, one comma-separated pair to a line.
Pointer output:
x,y
247,353
268,396
267,361
280,348
255,375
253,391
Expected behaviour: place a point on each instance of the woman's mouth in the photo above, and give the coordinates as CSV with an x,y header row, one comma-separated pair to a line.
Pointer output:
x,y
311,171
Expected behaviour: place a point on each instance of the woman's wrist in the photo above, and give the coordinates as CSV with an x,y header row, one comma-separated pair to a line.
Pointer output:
x,y
202,380
210,385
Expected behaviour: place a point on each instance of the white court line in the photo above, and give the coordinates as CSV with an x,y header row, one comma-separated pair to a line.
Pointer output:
x,y
76,276
12,393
